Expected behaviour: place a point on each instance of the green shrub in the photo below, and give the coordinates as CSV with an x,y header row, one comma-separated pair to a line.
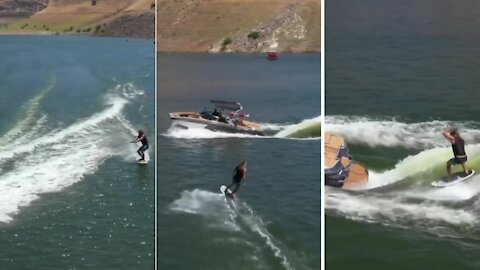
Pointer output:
x,y
253,35
226,41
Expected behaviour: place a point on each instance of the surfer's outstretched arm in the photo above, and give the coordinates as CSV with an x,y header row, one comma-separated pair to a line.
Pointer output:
x,y
138,139
446,134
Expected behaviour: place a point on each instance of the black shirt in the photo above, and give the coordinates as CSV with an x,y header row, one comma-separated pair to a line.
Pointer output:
x,y
237,174
459,147
144,140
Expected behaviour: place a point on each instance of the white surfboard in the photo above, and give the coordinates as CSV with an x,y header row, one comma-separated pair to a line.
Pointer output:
x,y
228,192
142,162
453,179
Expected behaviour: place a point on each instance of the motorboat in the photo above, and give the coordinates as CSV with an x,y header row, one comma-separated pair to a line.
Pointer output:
x,y
340,170
227,116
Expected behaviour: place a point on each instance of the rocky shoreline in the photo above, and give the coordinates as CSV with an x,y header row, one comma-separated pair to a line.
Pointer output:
x,y
14,10
131,26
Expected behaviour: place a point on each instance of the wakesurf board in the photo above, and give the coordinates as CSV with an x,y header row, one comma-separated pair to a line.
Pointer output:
x,y
142,162
452,179
226,191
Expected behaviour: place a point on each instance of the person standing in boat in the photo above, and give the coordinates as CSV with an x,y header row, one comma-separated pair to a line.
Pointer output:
x,y
239,175
458,148
216,113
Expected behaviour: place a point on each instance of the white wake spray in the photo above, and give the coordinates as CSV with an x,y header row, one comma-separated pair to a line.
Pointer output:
x,y
57,159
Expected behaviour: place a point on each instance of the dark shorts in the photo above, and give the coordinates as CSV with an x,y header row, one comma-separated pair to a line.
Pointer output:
x,y
457,161
236,186
143,148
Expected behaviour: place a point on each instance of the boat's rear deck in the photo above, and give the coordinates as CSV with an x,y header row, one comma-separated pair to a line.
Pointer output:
x,y
357,174
194,115
333,144
250,125
357,177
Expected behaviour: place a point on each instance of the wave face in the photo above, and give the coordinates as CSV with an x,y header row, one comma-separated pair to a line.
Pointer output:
x,y
402,195
35,159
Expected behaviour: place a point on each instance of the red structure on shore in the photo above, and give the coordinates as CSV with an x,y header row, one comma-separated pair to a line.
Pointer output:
x,y
272,56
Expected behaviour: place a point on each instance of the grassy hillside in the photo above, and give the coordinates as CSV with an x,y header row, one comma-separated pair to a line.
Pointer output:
x,y
201,25
84,16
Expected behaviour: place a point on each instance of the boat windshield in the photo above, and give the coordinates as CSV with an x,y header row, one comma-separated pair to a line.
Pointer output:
x,y
227,105
208,115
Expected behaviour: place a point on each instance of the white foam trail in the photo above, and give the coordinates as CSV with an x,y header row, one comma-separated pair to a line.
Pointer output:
x,y
393,210
116,105
214,206
59,158
256,224
26,182
274,126
391,133
129,91
28,117
208,204
201,133
459,192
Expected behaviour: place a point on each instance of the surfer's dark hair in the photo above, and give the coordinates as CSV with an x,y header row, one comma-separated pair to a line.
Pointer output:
x,y
454,132
140,132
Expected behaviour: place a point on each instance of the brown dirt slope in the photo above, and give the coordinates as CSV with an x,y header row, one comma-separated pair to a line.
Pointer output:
x,y
100,17
204,25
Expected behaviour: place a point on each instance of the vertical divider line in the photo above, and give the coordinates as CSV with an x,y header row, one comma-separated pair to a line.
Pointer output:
x,y
156,138
322,145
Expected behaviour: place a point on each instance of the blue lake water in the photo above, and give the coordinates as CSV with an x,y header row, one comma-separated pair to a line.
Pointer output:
x,y
397,74
275,221
71,193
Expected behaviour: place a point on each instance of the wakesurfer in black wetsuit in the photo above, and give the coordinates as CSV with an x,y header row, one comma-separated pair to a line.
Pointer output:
x,y
239,174
458,147
143,139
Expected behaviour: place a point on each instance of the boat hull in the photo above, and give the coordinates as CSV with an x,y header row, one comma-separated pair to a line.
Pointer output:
x,y
194,121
